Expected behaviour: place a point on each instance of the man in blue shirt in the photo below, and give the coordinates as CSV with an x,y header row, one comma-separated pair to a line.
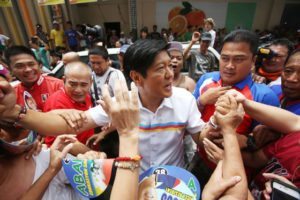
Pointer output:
x,y
71,37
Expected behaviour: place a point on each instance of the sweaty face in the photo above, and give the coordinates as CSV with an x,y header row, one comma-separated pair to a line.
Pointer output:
x,y
99,64
25,68
77,85
235,62
159,78
276,63
291,77
176,61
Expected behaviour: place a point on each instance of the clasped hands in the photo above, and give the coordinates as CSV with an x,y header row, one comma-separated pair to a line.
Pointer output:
x,y
228,115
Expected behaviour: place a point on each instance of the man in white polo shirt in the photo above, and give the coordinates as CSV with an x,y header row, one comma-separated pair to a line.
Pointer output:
x,y
166,112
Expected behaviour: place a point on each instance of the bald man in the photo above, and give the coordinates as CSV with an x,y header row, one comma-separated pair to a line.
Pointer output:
x,y
70,57
74,95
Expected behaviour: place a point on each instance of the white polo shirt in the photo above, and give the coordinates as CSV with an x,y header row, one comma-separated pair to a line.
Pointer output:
x,y
162,132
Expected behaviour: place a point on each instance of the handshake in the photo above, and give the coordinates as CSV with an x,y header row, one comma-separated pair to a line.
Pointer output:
x,y
229,111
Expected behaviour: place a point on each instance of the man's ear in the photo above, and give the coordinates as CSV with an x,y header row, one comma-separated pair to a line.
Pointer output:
x,y
64,79
136,77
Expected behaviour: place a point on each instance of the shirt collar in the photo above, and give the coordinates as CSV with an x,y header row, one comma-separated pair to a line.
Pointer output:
x,y
240,85
36,84
165,103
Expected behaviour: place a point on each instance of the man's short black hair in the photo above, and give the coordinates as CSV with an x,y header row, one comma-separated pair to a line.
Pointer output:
x,y
99,51
17,50
141,54
242,35
284,42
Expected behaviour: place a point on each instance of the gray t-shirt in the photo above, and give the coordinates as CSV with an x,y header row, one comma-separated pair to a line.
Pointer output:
x,y
201,64
109,77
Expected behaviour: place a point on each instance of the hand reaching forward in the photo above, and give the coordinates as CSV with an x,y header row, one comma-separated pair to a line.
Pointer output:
x,y
59,149
211,95
124,112
217,185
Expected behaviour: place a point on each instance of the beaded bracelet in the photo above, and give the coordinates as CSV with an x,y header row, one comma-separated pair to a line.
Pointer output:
x,y
127,165
134,158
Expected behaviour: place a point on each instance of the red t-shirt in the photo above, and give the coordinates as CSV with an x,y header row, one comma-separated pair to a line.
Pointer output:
x,y
60,100
36,96
284,160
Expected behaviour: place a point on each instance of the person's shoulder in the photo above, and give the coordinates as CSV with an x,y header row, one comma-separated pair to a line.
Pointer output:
x,y
262,87
116,72
180,93
53,79
189,80
56,96
264,94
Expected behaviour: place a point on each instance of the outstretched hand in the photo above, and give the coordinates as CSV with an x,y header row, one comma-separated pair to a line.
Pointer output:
x,y
268,189
59,149
124,111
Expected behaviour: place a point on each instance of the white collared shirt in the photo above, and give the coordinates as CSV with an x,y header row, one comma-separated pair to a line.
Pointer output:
x,y
161,133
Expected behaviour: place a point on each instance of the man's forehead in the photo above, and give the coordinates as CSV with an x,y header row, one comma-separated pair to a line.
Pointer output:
x,y
278,48
294,60
78,80
22,58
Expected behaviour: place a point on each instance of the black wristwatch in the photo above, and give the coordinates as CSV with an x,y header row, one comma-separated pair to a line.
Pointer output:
x,y
251,145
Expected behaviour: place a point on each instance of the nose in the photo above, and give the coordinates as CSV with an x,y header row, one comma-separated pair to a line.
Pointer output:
x,y
230,64
78,90
169,73
28,68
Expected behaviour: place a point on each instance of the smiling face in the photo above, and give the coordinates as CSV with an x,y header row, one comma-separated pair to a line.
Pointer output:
x,y
25,68
159,78
235,62
291,77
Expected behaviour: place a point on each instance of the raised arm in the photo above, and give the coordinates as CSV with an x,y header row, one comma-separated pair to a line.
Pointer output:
x,y
124,114
195,38
276,118
37,190
232,162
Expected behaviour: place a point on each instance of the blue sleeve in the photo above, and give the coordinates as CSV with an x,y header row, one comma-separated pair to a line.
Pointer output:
x,y
268,98
271,99
196,92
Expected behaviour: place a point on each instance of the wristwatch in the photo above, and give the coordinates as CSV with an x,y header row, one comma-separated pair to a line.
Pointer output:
x,y
251,145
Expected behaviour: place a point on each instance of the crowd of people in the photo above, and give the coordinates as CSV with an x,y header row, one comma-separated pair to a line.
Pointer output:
x,y
234,123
